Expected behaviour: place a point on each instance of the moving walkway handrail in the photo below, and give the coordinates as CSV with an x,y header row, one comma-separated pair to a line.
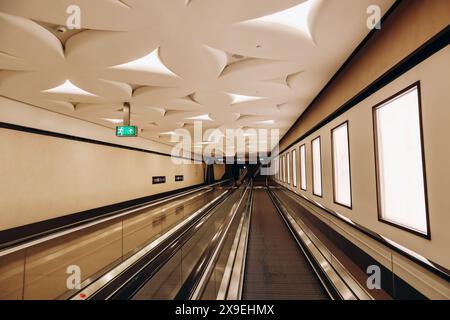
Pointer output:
x,y
233,281
147,261
125,280
53,234
417,258
339,285
198,279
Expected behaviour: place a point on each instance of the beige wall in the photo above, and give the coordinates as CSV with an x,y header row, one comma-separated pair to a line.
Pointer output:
x,y
19,113
412,24
434,77
46,177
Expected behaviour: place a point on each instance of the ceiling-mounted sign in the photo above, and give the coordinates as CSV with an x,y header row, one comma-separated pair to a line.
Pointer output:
x,y
126,131
179,178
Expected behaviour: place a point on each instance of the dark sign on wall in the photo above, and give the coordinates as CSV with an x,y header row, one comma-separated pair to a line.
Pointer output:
x,y
158,180
179,178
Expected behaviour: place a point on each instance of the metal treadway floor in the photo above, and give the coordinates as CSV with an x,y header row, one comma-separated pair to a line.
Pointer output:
x,y
276,267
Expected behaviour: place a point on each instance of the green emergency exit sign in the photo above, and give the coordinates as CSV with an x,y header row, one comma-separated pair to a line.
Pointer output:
x,y
126,131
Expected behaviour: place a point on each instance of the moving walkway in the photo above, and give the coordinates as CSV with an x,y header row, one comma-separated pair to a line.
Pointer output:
x,y
224,242
39,265
172,267
276,267
245,248
240,249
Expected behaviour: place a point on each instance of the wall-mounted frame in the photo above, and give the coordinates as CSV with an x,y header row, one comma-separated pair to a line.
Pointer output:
x,y
340,149
411,212
303,174
316,166
385,80
281,168
273,164
294,168
179,178
278,168
158,179
288,167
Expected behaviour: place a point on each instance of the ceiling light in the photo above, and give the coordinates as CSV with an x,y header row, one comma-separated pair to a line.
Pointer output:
x,y
169,133
150,62
61,29
237,56
295,17
241,99
267,122
69,88
204,117
115,121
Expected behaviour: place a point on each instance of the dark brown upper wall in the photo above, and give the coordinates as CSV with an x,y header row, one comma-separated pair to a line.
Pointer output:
x,y
412,24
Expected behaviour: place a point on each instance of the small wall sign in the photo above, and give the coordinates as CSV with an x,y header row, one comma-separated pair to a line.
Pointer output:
x,y
159,179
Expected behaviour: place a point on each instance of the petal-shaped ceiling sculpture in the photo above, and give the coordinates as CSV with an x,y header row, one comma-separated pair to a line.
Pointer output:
x,y
102,15
205,63
149,63
260,39
296,17
109,48
69,88
47,49
237,10
226,63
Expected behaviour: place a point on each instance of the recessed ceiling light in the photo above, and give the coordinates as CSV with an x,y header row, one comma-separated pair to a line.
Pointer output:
x,y
69,88
115,121
295,17
169,133
150,62
204,117
237,98
267,122
61,29
237,56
